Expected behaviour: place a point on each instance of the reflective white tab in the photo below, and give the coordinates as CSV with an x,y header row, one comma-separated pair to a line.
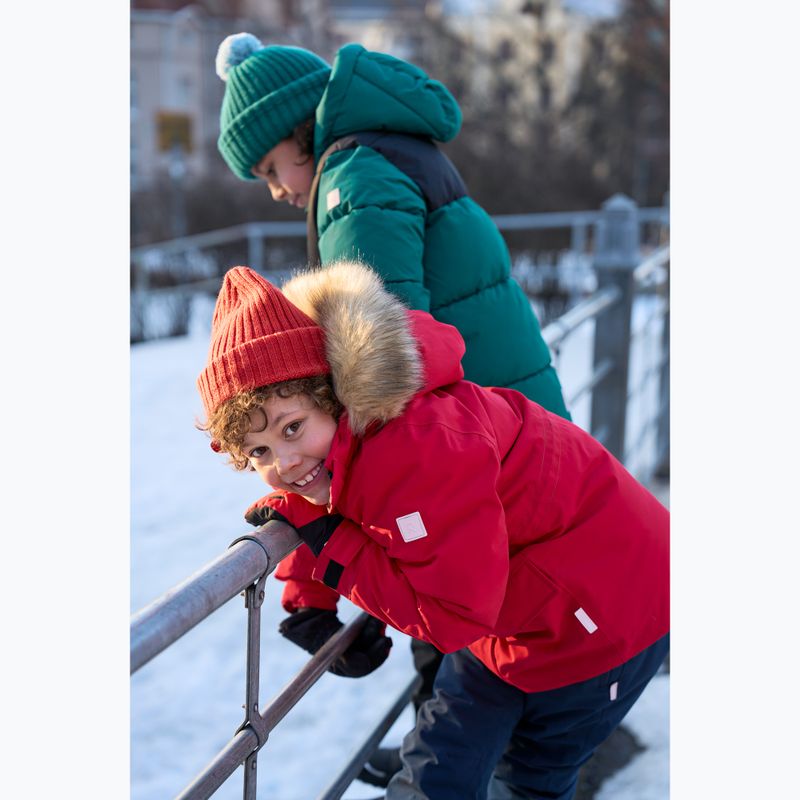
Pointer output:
x,y
585,620
411,527
612,690
332,199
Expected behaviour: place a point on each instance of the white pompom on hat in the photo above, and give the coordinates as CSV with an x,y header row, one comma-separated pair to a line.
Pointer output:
x,y
269,91
235,49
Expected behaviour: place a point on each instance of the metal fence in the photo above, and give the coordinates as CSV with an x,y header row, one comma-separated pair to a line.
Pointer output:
x,y
630,373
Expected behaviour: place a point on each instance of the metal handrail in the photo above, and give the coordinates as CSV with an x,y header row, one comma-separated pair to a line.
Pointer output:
x,y
166,619
658,258
558,330
220,236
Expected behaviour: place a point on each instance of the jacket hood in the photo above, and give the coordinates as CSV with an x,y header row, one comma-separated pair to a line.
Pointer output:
x,y
380,353
375,91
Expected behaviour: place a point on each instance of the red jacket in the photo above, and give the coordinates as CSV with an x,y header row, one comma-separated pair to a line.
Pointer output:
x,y
477,519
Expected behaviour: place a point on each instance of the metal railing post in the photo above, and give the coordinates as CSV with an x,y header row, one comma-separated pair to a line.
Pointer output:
x,y
254,597
616,256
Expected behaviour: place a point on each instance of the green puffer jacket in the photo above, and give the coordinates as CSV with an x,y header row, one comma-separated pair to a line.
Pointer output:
x,y
397,203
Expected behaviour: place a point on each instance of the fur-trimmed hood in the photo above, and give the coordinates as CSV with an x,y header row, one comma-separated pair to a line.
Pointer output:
x,y
376,363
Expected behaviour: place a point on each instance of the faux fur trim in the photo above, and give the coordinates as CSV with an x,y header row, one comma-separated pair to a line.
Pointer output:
x,y
375,365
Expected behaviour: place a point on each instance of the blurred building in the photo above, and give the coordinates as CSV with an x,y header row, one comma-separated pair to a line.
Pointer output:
x,y
555,93
527,52
175,94
398,27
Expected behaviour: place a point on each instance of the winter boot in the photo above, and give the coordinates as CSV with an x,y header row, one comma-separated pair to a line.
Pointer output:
x,y
381,766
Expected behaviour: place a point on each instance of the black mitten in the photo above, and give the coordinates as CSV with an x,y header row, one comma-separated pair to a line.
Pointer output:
x,y
369,650
310,628
315,533
260,513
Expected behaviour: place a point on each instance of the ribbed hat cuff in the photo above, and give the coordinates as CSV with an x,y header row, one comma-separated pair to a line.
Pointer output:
x,y
250,135
280,356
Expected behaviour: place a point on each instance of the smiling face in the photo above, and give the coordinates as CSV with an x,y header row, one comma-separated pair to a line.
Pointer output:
x,y
288,442
288,172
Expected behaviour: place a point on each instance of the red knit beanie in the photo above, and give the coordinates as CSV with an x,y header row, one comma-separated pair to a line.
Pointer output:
x,y
257,338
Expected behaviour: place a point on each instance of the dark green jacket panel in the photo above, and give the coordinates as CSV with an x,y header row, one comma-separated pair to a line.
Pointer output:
x,y
384,240
504,343
378,217
463,236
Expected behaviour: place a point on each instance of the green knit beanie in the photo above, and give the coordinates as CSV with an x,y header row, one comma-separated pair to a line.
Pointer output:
x,y
269,91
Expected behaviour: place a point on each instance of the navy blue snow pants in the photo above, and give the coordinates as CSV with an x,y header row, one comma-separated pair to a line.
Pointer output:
x,y
481,738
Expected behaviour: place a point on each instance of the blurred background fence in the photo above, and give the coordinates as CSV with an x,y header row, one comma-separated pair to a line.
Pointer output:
x,y
167,276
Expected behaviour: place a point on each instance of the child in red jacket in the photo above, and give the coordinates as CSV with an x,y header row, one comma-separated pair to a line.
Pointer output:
x,y
468,517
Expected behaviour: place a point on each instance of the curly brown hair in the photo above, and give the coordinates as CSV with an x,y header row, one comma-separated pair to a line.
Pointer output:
x,y
230,422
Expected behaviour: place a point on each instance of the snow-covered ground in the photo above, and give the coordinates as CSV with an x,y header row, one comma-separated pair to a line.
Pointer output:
x,y
186,507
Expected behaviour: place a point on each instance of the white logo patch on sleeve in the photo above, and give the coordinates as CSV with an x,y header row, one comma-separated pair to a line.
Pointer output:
x,y
586,620
332,199
411,527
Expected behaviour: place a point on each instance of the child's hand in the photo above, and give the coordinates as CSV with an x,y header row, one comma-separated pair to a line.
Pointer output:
x,y
292,507
260,513
369,650
310,628
314,533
